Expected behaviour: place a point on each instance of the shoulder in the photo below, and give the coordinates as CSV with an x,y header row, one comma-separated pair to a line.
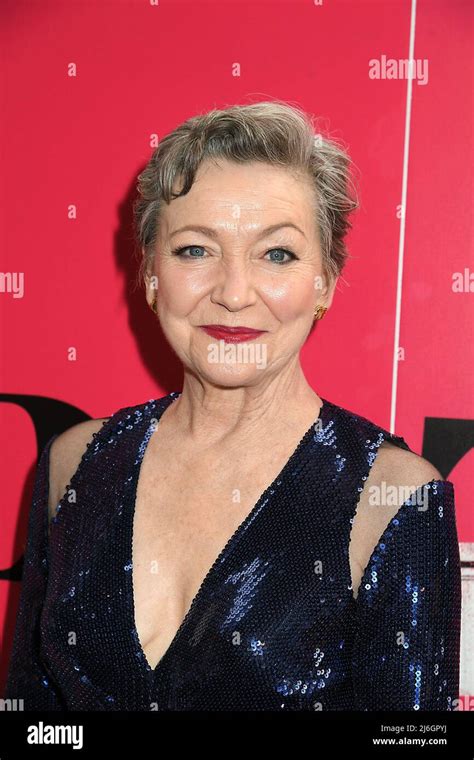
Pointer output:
x,y
395,475
404,467
393,458
67,449
65,454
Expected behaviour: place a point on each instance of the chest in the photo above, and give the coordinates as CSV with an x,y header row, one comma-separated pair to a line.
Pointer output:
x,y
185,514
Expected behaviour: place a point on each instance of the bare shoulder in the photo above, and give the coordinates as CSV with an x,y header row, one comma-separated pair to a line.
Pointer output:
x,y
402,467
394,476
65,455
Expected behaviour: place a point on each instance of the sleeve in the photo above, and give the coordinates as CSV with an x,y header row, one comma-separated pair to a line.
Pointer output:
x,y
27,678
408,622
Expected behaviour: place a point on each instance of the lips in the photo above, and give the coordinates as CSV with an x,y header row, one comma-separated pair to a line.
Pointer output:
x,y
232,334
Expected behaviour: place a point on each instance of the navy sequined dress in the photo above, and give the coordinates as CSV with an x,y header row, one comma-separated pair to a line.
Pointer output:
x,y
266,630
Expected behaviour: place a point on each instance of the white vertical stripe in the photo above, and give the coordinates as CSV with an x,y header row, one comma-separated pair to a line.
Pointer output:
x,y
401,244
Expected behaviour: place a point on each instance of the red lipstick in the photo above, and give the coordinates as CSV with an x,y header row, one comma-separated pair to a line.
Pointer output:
x,y
232,334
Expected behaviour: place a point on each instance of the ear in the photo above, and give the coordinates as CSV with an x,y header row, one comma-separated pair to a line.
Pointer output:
x,y
149,293
151,286
326,287
329,291
149,277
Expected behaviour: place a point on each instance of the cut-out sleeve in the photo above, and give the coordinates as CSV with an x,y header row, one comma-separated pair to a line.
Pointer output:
x,y
27,677
407,643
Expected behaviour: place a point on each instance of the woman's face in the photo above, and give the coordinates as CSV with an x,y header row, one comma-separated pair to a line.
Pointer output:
x,y
257,264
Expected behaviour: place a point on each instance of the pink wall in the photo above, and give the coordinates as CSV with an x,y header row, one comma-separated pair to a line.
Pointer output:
x,y
141,70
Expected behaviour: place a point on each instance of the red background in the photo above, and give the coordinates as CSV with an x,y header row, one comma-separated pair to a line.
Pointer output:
x,y
141,70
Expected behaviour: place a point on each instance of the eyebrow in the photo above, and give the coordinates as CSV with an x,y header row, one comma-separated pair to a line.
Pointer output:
x,y
210,232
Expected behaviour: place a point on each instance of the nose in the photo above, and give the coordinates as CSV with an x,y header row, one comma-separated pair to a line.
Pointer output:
x,y
233,288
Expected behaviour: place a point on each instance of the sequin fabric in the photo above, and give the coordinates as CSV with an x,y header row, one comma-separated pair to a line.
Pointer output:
x,y
274,625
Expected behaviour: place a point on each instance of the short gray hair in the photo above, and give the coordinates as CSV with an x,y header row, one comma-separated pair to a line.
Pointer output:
x,y
273,132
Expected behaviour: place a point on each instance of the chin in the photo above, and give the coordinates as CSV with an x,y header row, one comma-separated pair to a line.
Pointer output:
x,y
231,375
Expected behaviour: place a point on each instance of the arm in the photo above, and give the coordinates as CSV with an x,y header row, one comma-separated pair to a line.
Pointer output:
x,y
407,644
27,679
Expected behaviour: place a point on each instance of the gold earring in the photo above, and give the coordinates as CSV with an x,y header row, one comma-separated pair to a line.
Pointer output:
x,y
319,312
153,305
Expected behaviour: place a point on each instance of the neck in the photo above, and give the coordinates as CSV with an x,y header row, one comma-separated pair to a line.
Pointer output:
x,y
208,412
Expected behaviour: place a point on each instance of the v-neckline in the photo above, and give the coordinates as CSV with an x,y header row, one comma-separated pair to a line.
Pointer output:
x,y
159,407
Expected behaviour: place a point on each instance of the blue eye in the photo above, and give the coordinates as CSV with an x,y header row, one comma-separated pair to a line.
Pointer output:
x,y
180,251
282,251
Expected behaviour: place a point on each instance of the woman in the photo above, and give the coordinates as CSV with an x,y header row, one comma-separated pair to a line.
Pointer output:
x,y
270,570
